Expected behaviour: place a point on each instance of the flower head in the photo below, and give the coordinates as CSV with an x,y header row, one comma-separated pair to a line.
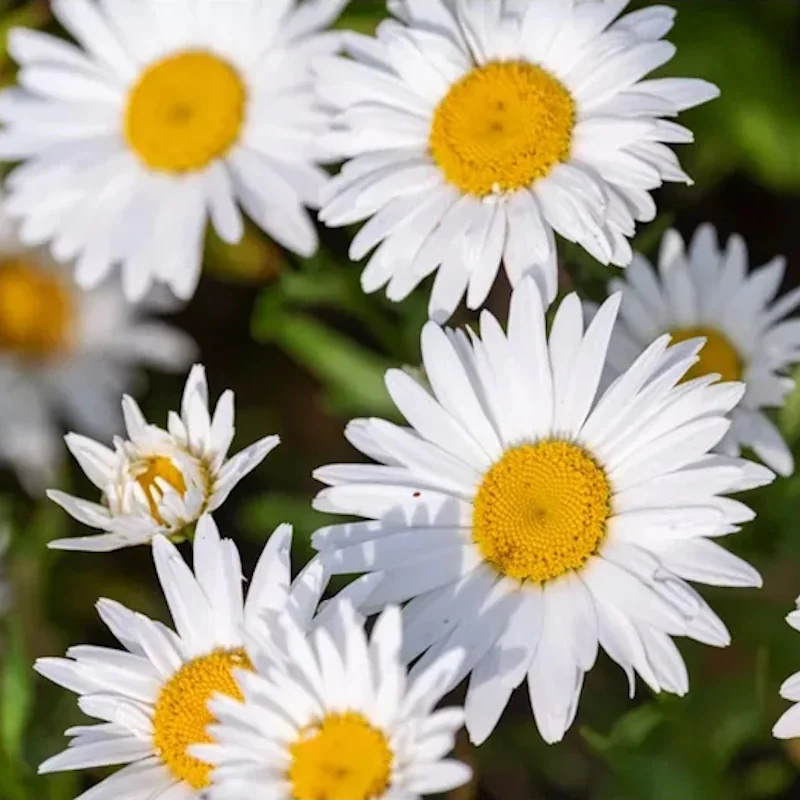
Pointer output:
x,y
329,714
159,481
476,129
530,517
707,292
164,116
152,697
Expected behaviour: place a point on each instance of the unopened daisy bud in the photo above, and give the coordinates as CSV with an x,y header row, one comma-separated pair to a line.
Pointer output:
x,y
159,481
531,516
154,694
330,714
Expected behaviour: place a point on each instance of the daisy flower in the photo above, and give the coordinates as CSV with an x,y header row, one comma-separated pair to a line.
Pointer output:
x,y
529,517
151,698
66,354
164,115
788,726
331,715
156,480
707,292
476,129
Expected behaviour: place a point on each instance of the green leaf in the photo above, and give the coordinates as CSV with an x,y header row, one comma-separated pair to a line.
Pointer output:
x,y
12,784
16,691
352,375
757,119
789,415
260,515
662,776
629,732
323,282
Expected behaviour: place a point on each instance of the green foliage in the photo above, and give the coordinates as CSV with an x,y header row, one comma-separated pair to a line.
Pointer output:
x,y
352,375
747,50
351,372
790,413
15,690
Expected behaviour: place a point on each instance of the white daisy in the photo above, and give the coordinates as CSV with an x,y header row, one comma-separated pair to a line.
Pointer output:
x,y
164,115
788,726
159,481
331,715
529,517
151,698
707,292
66,354
476,129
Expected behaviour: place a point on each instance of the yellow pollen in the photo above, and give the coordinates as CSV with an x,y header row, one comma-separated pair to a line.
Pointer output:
x,y
341,758
182,716
36,310
159,467
541,510
501,127
717,356
186,111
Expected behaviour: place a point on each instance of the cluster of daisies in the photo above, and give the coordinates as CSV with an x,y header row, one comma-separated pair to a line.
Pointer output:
x,y
555,489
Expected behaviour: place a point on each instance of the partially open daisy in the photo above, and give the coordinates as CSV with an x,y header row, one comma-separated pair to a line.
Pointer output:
x,y
159,481
708,292
476,129
528,517
66,354
788,726
166,115
152,698
331,716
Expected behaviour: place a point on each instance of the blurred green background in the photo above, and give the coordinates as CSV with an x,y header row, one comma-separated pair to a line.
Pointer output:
x,y
305,351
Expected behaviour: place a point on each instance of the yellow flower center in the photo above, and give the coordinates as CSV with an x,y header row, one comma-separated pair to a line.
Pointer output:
x,y
341,758
717,356
152,468
186,111
36,310
541,510
182,716
501,127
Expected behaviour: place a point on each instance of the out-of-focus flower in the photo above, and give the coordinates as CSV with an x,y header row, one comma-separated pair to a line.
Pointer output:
x,y
477,129
168,114
65,353
708,292
529,517
330,715
152,698
159,481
